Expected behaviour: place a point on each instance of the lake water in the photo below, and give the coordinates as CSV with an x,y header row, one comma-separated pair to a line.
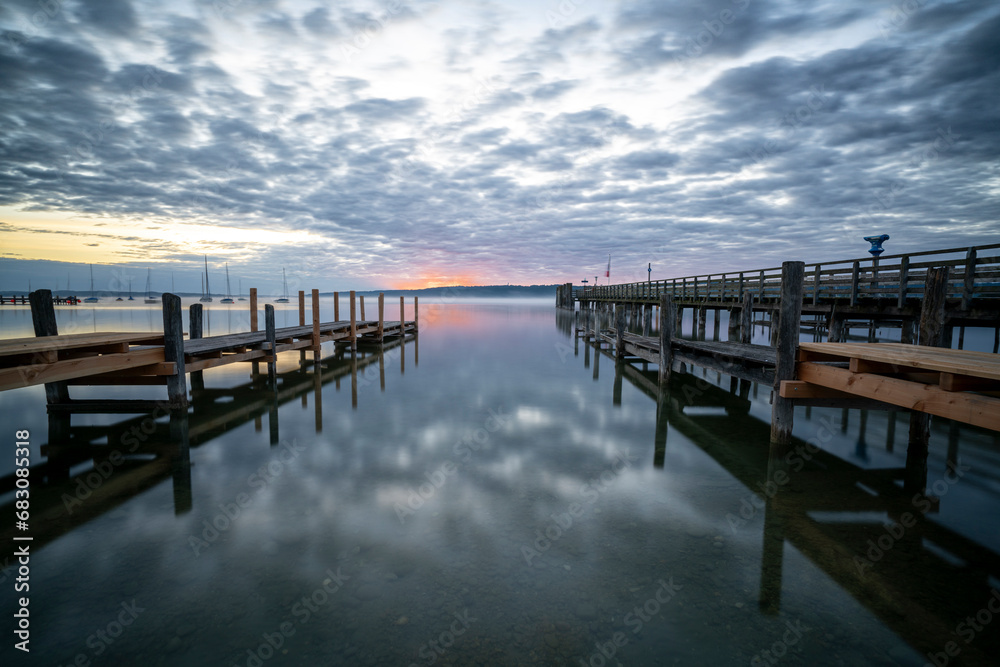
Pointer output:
x,y
493,493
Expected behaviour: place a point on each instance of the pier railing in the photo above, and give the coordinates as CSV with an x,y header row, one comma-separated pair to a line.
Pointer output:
x,y
974,273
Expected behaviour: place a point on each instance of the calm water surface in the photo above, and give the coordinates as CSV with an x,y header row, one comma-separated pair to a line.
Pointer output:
x,y
493,493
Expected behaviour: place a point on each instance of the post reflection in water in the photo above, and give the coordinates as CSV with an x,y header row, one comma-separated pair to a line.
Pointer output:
x,y
921,578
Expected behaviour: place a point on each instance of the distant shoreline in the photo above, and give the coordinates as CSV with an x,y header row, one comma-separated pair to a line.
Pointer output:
x,y
493,291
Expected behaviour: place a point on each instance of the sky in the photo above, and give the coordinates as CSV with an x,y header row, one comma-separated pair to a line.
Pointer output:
x,y
407,143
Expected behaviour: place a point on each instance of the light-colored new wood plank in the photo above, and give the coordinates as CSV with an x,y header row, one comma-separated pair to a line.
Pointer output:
x,y
26,376
968,408
961,362
70,341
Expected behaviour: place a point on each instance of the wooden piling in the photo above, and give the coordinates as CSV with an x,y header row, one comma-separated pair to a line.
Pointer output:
x,y
302,321
416,319
402,315
746,318
790,314
272,344
354,325
381,319
336,306
835,332
620,331
253,309
316,343
195,320
904,277
931,334
702,318
855,270
173,350
361,304
969,281
667,324
254,366
43,318
716,323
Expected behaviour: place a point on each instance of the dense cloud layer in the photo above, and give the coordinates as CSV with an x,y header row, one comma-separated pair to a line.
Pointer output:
x,y
504,142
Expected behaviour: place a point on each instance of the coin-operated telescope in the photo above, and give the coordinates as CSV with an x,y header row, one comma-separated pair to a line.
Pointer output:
x,y
877,242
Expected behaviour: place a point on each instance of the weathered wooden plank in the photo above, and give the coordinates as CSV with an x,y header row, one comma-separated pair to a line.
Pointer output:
x,y
34,374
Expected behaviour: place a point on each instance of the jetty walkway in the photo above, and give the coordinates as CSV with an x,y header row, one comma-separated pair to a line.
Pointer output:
x,y
115,358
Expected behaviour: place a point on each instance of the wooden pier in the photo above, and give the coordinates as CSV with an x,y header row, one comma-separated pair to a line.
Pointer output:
x,y
887,291
114,358
137,452
925,379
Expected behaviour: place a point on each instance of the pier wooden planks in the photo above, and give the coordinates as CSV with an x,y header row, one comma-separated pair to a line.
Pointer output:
x,y
931,380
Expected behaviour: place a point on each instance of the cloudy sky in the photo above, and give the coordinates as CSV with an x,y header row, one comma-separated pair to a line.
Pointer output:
x,y
411,143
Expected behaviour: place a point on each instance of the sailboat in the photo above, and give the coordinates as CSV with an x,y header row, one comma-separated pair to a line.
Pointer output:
x,y
284,293
130,289
207,297
229,291
119,293
149,288
241,297
91,298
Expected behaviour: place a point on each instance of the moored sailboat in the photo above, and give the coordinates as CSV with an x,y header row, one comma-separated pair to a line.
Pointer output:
x,y
91,298
284,293
229,291
149,288
206,297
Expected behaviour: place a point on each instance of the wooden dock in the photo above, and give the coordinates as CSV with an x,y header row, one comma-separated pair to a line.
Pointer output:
x,y
116,358
141,451
926,379
887,291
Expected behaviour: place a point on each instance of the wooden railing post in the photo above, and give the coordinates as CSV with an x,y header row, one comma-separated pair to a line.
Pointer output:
x,y
173,350
789,319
